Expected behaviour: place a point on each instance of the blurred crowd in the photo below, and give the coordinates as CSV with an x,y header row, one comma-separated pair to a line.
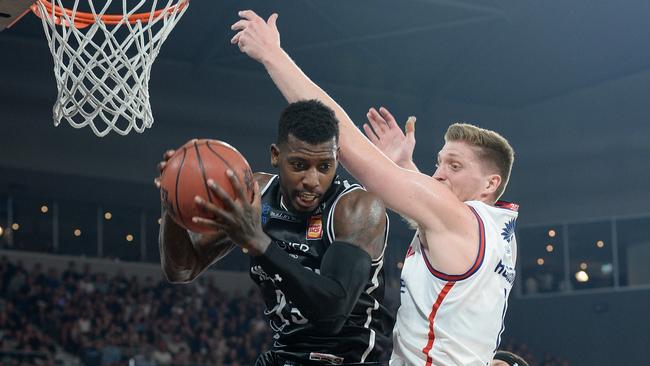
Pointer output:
x,y
120,321
80,317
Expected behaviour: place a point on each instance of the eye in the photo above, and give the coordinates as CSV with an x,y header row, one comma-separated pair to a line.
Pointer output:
x,y
298,165
325,167
455,166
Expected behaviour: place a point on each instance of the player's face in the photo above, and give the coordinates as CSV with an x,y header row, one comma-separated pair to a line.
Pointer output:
x,y
306,171
460,169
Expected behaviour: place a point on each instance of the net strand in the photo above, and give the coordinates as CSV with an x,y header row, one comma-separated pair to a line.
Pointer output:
x,y
103,76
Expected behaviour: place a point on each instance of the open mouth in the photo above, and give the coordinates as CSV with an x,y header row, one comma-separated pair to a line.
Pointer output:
x,y
306,199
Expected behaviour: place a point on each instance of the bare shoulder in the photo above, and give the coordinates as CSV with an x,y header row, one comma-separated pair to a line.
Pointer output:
x,y
360,219
262,178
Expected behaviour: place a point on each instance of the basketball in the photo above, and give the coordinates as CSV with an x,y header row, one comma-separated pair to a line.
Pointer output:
x,y
187,172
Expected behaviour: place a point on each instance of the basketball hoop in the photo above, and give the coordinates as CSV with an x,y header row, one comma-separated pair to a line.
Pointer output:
x,y
102,62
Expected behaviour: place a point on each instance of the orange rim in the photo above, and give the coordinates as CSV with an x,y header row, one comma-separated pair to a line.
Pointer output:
x,y
83,19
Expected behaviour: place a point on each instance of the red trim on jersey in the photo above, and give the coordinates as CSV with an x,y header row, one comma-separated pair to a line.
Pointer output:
x,y
477,263
507,205
432,318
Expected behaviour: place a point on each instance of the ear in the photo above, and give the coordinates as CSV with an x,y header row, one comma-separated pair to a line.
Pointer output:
x,y
492,184
275,155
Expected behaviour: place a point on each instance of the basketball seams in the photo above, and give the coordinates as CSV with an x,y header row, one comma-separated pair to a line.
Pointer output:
x,y
202,168
178,177
188,175
207,144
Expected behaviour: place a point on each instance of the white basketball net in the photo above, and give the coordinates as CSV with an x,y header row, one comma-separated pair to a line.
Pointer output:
x,y
102,70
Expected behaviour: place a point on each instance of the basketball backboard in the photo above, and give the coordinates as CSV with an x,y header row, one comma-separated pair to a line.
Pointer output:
x,y
12,10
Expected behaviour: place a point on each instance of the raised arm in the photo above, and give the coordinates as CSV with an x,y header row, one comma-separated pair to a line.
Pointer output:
x,y
410,193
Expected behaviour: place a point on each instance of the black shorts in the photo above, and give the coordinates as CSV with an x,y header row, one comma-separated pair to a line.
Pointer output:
x,y
271,358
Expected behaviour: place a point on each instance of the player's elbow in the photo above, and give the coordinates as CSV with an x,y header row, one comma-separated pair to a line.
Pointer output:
x,y
176,276
330,316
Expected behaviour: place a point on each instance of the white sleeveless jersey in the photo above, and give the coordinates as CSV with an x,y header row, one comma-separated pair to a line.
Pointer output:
x,y
458,319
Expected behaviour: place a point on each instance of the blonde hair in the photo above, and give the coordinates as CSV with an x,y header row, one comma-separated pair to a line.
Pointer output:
x,y
492,148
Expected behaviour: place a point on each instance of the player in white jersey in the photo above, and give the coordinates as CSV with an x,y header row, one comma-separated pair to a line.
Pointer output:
x,y
453,277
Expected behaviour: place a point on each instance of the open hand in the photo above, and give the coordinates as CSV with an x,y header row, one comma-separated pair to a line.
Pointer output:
x,y
256,37
388,136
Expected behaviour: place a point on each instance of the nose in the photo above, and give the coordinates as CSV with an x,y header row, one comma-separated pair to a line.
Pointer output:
x,y
439,175
310,180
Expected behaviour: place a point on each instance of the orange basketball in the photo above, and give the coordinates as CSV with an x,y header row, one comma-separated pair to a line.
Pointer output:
x,y
187,172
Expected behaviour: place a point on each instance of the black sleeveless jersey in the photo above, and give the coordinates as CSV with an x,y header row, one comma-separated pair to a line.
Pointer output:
x,y
306,237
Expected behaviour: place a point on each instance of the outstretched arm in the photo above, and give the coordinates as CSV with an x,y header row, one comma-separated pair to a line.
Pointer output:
x,y
410,193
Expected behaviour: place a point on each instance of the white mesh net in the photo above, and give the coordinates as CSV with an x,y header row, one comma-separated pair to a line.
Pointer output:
x,y
102,63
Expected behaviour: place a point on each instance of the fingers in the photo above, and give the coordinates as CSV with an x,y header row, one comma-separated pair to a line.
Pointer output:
x,y
257,196
224,197
156,182
239,190
240,25
388,117
377,122
272,21
248,15
161,166
168,154
409,127
371,134
206,222
221,215
236,38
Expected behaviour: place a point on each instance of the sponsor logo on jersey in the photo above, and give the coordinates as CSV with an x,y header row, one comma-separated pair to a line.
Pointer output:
x,y
284,216
266,209
293,247
315,229
330,359
505,271
508,230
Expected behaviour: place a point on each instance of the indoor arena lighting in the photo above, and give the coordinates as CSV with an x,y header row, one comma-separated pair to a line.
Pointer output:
x,y
2,231
583,265
77,232
108,215
44,209
552,233
549,248
600,243
540,261
582,276
15,226
129,237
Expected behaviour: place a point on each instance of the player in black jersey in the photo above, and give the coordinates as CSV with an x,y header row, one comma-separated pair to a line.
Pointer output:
x,y
316,244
